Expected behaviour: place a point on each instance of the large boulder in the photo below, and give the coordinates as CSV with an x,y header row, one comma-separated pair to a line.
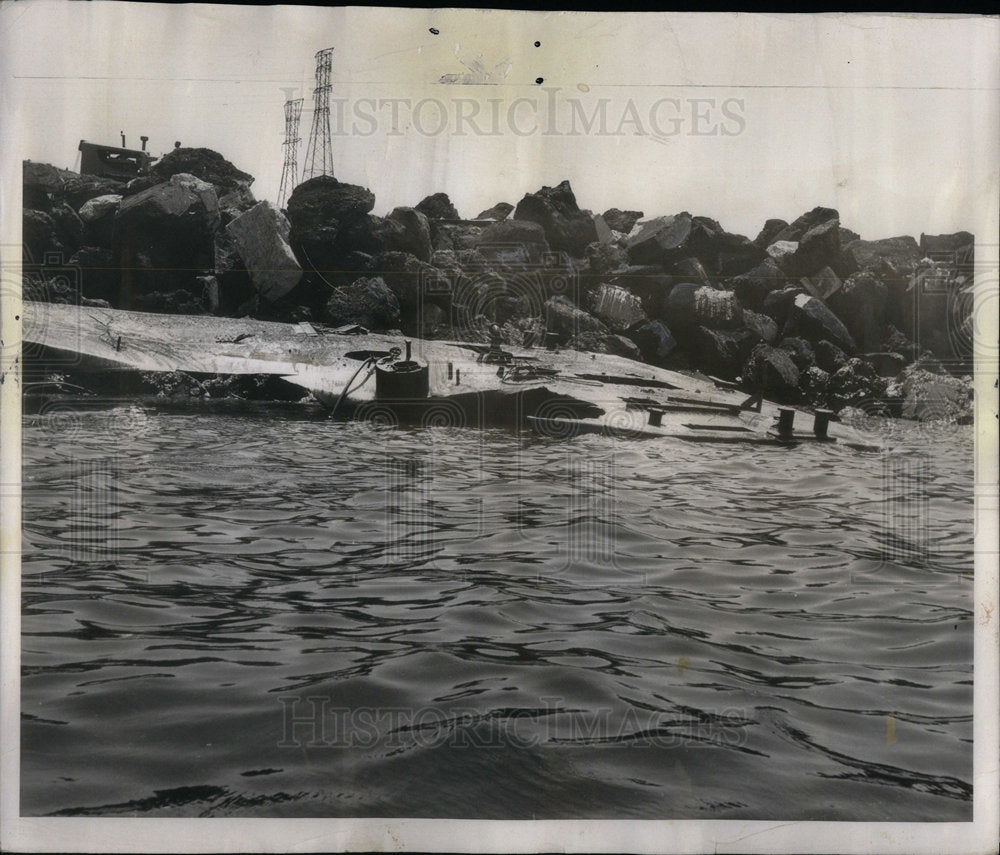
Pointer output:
x,y
778,304
236,292
769,233
829,357
933,396
324,201
887,363
368,302
861,305
660,240
414,234
371,235
500,211
761,325
822,284
691,270
414,283
56,231
617,307
77,190
182,197
329,219
567,228
654,340
568,321
856,384
781,253
649,283
41,184
100,207
723,254
813,385
690,305
800,350
752,287
620,345
933,246
847,237
514,241
100,277
232,186
772,371
797,228
437,207
68,224
818,235
164,237
260,236
720,352
818,248
455,237
621,221
98,216
606,258
810,319
902,252
604,234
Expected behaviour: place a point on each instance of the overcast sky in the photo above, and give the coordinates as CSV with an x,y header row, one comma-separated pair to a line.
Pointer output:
x,y
892,120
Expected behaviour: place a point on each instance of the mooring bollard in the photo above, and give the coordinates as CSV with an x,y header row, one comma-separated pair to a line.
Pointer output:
x,y
786,418
821,423
656,418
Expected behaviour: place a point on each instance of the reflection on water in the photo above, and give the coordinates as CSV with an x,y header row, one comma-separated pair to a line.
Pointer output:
x,y
281,616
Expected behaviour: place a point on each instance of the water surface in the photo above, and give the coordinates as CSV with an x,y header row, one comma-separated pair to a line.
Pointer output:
x,y
269,615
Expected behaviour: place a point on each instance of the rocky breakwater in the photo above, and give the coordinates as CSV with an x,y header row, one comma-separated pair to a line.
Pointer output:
x,y
807,312
158,243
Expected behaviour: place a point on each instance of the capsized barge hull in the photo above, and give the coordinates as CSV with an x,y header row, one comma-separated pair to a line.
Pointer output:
x,y
559,393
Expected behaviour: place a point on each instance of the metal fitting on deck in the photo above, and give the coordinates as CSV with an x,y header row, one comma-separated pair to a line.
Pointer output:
x,y
821,422
786,419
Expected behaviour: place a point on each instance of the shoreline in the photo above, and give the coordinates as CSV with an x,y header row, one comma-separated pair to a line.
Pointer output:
x,y
806,313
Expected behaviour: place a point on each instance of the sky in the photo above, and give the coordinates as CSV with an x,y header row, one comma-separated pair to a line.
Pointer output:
x,y
892,120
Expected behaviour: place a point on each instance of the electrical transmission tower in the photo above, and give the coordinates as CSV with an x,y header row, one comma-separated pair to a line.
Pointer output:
x,y
319,153
289,172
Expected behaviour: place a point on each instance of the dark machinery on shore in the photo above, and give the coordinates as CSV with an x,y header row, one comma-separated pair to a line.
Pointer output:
x,y
118,163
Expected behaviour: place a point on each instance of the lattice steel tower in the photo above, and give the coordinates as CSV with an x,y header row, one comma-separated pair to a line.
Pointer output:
x,y
319,153
289,172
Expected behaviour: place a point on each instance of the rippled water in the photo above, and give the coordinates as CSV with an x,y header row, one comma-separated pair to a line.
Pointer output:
x,y
274,615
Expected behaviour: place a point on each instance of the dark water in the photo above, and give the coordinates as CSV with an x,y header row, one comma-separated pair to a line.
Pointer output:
x,y
279,616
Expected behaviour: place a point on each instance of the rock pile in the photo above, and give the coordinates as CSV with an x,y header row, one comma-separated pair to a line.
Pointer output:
x,y
807,311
